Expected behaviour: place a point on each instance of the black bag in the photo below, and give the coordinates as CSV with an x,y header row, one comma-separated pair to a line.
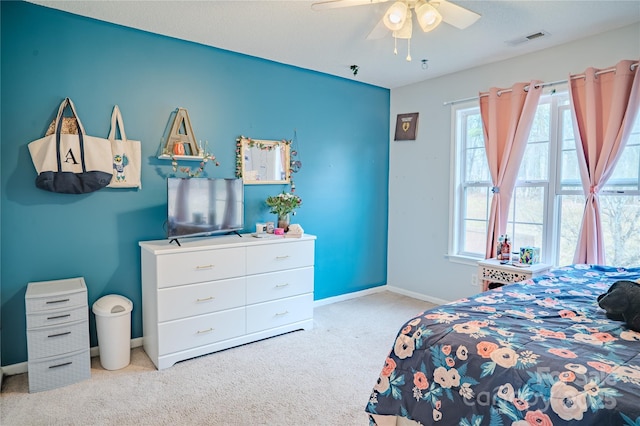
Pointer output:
x,y
72,183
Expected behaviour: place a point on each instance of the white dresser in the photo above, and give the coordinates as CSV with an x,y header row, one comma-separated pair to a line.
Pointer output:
x,y
57,333
211,294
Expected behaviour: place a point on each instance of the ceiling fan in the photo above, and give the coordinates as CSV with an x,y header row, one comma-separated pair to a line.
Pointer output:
x,y
398,17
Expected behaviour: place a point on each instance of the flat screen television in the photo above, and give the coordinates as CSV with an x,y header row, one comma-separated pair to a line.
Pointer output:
x,y
204,206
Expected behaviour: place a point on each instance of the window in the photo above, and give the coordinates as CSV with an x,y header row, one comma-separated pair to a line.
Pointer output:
x,y
619,200
476,184
548,202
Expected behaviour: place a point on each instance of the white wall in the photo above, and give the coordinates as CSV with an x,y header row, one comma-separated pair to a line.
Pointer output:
x,y
419,174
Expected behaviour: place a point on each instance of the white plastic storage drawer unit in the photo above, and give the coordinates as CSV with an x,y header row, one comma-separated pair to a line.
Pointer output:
x,y
211,294
57,333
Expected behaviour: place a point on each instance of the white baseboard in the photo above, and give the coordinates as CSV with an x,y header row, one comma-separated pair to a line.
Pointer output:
x,y
418,296
12,369
23,367
343,297
379,289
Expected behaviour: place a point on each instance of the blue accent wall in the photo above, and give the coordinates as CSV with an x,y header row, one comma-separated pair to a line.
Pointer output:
x,y
342,135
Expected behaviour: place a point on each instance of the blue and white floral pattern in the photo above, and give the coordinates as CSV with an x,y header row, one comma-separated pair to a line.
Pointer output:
x,y
539,352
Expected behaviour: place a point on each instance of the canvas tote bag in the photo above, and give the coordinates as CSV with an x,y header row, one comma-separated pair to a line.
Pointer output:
x,y
126,155
68,163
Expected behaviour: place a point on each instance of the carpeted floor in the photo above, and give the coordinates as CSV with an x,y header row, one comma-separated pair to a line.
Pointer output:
x,y
318,377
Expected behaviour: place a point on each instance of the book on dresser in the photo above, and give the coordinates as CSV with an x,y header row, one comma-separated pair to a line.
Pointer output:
x,y
210,294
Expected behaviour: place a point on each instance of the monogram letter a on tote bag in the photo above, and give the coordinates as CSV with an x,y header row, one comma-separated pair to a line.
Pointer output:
x,y
68,163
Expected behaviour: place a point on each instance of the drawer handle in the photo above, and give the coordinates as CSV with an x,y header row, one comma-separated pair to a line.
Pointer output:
x,y
61,365
282,285
59,334
205,267
59,316
279,314
208,330
57,301
205,299
282,257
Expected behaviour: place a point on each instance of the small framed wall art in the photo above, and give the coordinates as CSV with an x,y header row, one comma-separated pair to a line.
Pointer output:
x,y
406,127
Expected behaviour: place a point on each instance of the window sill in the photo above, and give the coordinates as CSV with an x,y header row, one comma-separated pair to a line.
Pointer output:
x,y
465,260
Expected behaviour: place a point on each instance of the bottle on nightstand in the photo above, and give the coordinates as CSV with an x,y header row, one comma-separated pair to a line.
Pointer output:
x,y
499,247
506,250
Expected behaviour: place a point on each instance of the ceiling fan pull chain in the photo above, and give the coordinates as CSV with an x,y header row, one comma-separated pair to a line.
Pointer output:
x,y
395,45
408,50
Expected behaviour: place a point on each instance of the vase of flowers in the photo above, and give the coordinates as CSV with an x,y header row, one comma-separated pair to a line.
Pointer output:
x,y
283,222
284,205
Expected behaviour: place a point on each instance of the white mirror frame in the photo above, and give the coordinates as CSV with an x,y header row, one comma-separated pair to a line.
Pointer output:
x,y
262,161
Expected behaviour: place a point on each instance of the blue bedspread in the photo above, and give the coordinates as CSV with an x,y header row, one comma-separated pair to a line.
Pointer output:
x,y
540,352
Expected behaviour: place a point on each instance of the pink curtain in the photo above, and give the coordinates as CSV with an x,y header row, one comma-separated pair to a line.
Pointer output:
x,y
507,116
604,106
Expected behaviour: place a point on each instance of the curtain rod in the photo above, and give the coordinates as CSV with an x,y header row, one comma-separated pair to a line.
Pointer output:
x,y
553,83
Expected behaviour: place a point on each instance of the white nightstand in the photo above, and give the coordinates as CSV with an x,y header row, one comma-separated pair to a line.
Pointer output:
x,y
492,271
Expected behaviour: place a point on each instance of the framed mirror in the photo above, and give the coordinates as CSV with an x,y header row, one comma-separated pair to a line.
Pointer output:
x,y
263,161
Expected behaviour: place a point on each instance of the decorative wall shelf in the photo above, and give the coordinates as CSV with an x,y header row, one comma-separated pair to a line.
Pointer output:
x,y
181,157
181,133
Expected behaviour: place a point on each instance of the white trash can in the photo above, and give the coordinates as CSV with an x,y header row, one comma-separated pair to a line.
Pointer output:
x,y
113,326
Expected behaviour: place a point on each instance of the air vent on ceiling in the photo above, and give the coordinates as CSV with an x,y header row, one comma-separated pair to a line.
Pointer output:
x,y
527,38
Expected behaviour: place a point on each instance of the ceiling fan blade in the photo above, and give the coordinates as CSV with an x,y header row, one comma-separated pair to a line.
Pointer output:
x,y
455,15
379,31
334,4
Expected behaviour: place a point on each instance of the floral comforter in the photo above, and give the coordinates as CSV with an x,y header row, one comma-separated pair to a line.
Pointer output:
x,y
540,352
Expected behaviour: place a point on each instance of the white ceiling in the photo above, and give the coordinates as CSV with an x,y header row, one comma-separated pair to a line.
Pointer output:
x,y
330,41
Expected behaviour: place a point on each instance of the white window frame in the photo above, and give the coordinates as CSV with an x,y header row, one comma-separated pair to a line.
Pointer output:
x,y
552,188
456,168
550,209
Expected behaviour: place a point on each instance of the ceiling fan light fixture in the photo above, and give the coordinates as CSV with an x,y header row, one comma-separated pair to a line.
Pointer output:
x,y
428,16
396,16
406,30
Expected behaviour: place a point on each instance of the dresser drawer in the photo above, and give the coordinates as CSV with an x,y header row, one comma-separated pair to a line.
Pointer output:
x,y
279,312
57,302
49,341
54,372
197,299
278,285
200,266
57,317
179,335
277,257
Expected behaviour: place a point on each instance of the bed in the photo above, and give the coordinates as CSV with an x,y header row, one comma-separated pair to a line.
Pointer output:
x,y
540,352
